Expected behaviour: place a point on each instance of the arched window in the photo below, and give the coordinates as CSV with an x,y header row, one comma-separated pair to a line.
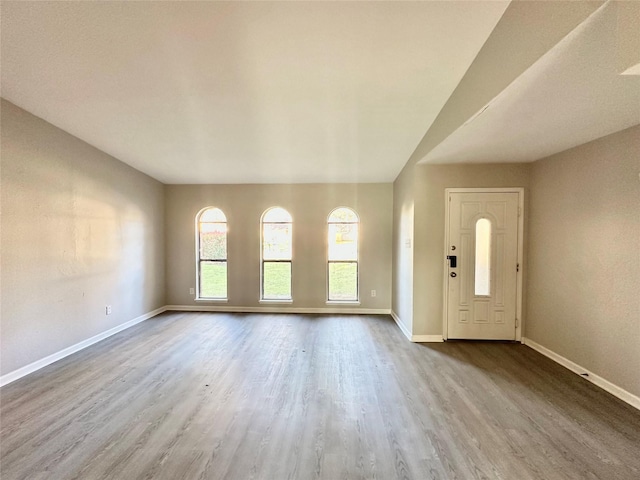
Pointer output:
x,y
342,265
212,254
277,254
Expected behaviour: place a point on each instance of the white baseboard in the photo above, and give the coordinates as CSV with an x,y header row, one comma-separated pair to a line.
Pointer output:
x,y
278,309
613,389
427,338
37,365
415,338
401,326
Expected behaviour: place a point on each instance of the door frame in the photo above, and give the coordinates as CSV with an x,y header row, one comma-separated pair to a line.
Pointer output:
x,y
519,274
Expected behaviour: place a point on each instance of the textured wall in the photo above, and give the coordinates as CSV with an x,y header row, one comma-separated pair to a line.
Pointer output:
x,y
309,205
80,230
403,216
584,257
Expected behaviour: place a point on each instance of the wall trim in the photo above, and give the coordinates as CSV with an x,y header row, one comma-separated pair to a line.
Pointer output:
x,y
427,338
415,338
54,357
606,385
401,326
277,309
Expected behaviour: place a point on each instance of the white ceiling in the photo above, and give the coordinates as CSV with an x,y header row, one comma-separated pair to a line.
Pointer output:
x,y
573,94
244,92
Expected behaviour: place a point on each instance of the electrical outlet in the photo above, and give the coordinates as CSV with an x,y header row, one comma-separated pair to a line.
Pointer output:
x,y
373,293
192,291
107,310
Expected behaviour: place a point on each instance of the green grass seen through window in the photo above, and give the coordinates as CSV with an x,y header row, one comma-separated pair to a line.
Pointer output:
x,y
343,281
276,281
213,279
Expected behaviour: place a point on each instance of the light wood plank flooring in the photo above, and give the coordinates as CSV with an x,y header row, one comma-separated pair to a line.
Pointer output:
x,y
233,396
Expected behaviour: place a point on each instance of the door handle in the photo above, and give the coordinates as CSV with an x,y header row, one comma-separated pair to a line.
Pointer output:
x,y
453,261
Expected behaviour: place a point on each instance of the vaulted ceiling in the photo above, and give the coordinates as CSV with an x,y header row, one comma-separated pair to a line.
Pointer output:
x,y
295,92
583,88
244,92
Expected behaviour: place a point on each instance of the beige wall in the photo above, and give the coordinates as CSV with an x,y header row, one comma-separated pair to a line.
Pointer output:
x,y
628,36
526,31
431,182
80,230
309,205
403,213
584,257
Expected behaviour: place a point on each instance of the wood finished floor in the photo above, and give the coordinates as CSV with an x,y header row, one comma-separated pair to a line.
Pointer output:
x,y
231,396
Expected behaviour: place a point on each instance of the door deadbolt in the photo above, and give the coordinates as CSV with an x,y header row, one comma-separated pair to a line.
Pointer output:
x,y
453,261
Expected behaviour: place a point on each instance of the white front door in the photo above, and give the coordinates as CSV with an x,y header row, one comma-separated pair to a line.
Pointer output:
x,y
482,265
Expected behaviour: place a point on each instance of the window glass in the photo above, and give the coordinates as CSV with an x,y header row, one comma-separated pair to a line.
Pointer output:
x,y
277,280
342,255
343,281
277,215
212,254
483,257
277,241
277,254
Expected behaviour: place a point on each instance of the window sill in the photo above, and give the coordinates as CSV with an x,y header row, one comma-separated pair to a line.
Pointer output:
x,y
343,302
214,300
284,300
